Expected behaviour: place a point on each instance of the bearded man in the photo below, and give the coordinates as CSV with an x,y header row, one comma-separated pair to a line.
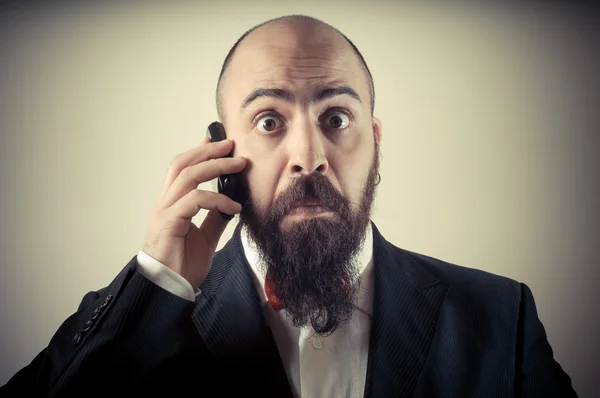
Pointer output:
x,y
307,298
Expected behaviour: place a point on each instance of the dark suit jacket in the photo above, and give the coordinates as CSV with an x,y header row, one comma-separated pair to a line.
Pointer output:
x,y
438,330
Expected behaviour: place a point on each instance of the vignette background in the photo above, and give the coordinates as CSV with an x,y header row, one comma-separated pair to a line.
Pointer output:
x,y
490,144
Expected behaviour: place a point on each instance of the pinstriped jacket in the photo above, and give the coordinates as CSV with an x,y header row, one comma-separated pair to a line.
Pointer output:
x,y
438,330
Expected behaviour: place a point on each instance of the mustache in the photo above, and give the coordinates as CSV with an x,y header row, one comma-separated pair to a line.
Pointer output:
x,y
314,187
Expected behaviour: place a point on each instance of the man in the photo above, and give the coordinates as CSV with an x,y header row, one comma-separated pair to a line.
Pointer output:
x,y
307,298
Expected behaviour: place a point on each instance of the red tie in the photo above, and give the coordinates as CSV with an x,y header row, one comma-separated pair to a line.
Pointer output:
x,y
269,290
274,300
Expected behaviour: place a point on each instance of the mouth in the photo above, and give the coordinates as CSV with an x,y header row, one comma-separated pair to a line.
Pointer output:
x,y
309,208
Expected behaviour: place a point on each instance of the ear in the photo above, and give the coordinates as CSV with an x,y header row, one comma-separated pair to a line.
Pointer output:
x,y
377,129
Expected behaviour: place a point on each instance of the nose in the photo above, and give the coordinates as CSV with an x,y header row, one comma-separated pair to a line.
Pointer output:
x,y
306,147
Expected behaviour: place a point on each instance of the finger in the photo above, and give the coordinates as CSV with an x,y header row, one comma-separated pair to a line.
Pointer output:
x,y
203,152
206,150
195,175
189,205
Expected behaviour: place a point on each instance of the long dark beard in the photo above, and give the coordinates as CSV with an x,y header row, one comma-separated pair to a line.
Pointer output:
x,y
312,262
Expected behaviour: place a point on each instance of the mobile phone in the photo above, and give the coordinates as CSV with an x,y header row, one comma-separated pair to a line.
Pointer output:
x,y
227,184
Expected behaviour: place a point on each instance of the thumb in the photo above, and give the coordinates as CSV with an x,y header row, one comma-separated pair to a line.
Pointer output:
x,y
212,228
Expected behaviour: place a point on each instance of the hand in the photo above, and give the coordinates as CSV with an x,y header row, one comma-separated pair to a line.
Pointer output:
x,y
172,237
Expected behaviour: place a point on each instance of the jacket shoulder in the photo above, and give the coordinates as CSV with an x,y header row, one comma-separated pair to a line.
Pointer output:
x,y
463,281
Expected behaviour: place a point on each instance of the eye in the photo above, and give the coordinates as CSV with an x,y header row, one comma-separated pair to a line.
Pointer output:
x,y
268,123
337,120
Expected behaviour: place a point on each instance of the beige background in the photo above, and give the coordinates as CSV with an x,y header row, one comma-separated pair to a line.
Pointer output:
x,y
489,153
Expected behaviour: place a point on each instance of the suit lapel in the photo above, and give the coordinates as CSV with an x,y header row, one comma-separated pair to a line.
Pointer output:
x,y
406,306
229,317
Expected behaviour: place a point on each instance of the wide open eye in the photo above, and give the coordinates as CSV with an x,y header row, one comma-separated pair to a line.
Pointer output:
x,y
268,123
337,120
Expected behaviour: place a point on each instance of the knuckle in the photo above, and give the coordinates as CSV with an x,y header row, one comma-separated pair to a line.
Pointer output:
x,y
187,173
176,161
196,195
199,198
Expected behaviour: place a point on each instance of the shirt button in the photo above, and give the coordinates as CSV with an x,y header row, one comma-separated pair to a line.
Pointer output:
x,y
77,338
317,344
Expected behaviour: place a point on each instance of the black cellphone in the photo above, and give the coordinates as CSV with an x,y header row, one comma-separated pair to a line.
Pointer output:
x,y
227,184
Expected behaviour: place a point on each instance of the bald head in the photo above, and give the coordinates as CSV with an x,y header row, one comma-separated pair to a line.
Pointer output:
x,y
301,33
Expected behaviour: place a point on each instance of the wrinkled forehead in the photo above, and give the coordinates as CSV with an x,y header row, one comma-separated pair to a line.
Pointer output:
x,y
300,63
290,65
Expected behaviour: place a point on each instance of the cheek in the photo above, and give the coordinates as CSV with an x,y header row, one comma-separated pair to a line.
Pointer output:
x,y
351,168
263,178
264,167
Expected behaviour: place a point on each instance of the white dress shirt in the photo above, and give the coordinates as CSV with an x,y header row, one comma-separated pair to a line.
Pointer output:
x,y
332,366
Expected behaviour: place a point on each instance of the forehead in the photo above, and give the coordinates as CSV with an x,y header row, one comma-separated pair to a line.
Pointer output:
x,y
299,59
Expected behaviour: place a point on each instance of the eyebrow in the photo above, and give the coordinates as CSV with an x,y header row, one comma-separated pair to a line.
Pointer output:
x,y
288,96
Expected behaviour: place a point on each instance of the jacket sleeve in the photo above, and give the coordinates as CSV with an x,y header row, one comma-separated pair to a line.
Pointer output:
x,y
120,337
539,374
